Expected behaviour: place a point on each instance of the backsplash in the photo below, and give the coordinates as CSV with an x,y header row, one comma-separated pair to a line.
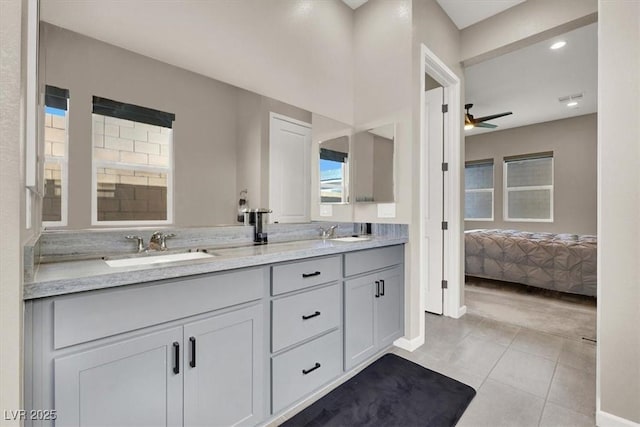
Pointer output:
x,y
85,244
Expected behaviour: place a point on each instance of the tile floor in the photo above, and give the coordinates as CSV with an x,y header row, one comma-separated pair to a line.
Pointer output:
x,y
522,377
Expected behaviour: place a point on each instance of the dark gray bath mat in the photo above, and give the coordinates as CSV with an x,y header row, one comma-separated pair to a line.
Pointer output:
x,y
392,391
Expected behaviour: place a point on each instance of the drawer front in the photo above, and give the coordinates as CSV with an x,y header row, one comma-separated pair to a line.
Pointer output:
x,y
304,369
372,259
302,316
95,315
303,274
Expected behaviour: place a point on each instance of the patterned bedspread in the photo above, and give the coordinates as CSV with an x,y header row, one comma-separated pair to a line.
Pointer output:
x,y
562,262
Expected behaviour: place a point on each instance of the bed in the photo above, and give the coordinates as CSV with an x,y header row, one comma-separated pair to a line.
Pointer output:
x,y
561,262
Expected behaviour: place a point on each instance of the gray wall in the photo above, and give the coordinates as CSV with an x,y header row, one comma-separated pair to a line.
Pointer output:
x,y
221,132
573,142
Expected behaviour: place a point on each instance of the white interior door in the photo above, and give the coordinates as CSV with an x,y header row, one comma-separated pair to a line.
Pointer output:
x,y
433,259
289,170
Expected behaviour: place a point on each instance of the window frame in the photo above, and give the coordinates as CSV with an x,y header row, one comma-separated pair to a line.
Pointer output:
x,y
483,190
96,164
507,190
63,162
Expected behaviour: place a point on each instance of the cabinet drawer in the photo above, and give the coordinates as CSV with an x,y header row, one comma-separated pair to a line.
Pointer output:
x,y
302,316
303,274
95,315
372,259
304,369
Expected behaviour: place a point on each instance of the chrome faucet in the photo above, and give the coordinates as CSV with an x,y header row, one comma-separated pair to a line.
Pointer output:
x,y
139,241
158,241
328,233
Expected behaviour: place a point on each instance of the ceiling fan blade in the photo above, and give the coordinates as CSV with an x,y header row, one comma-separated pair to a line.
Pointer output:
x,y
491,117
485,125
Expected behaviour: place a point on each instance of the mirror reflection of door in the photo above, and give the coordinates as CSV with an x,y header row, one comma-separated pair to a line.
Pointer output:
x,y
334,170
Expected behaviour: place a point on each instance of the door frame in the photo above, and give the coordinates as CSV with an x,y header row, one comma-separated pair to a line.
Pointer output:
x,y
454,267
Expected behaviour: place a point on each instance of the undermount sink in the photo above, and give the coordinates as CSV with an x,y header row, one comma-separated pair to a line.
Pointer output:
x,y
351,239
157,259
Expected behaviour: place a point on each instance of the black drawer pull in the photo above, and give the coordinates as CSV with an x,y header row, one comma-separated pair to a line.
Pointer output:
x,y
315,273
192,362
377,289
307,371
317,313
176,357
382,283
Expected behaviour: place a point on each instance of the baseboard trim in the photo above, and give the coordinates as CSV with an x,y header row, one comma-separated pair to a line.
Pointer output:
x,y
461,312
409,345
605,419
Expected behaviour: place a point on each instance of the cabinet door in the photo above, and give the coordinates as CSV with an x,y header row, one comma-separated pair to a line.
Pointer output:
x,y
390,313
131,382
359,320
225,384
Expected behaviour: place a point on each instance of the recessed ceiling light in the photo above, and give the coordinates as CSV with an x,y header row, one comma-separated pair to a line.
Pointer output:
x,y
558,45
572,104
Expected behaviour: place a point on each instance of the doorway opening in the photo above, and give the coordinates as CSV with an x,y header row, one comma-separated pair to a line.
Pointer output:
x,y
530,186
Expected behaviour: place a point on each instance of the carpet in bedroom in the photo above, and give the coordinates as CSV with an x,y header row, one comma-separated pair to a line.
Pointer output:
x,y
567,316
392,391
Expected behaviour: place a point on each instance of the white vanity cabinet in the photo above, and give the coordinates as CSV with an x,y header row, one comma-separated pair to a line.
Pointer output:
x,y
232,348
374,301
182,352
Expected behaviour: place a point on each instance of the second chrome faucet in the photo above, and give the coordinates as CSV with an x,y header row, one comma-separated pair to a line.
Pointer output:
x,y
157,242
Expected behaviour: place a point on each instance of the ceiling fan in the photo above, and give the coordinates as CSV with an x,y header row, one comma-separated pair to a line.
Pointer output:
x,y
470,122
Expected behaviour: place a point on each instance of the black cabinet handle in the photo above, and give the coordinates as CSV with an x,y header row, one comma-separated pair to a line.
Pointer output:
x,y
315,273
176,357
317,313
192,362
307,371
382,283
377,289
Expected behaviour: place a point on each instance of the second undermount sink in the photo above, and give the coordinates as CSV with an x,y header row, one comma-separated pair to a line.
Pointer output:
x,y
351,239
157,259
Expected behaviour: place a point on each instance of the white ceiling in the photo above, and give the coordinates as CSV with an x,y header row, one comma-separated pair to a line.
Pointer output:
x,y
464,13
529,81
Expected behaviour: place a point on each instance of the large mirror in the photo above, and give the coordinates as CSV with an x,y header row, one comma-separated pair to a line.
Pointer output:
x,y
374,174
132,141
334,170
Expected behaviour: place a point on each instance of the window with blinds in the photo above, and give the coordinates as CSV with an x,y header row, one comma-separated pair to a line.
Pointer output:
x,y
528,188
56,154
132,164
478,191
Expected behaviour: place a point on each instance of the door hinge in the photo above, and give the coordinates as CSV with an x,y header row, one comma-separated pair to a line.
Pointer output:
x,y
445,167
445,108
445,225
445,284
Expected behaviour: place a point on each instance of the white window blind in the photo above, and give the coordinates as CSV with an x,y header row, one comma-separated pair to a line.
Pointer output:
x,y
478,191
528,188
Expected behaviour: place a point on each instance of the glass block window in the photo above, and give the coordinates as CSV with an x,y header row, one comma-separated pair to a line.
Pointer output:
x,y
528,190
478,191
132,164
56,137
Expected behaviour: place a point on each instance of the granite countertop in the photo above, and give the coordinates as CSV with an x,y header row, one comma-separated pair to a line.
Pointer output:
x,y
69,277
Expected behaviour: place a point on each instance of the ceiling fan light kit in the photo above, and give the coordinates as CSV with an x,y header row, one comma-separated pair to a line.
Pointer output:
x,y
471,122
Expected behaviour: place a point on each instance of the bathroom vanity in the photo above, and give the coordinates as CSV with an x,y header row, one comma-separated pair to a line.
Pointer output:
x,y
239,345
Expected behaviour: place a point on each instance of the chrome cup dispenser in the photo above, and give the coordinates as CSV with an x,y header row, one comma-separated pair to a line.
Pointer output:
x,y
257,217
